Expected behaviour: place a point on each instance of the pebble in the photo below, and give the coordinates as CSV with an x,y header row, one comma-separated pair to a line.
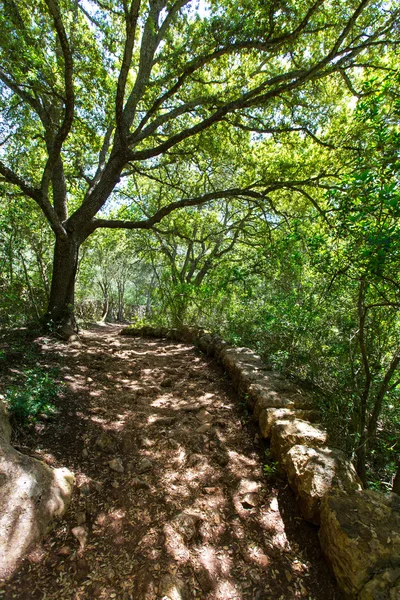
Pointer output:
x,y
81,534
172,587
203,416
81,517
139,484
64,551
144,466
116,465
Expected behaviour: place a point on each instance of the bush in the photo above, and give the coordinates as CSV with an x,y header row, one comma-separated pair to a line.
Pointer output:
x,y
33,396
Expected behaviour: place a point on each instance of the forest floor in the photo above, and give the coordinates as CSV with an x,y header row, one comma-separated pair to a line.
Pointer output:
x,y
189,513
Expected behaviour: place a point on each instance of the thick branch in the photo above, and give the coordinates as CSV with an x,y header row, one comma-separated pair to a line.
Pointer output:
x,y
36,195
131,18
69,95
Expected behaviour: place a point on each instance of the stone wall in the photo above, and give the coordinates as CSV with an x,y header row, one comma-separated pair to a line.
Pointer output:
x,y
323,480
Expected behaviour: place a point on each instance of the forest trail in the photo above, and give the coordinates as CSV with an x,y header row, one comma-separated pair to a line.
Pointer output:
x,y
189,512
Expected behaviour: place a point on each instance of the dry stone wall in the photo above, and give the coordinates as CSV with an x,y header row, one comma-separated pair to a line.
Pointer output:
x,y
323,479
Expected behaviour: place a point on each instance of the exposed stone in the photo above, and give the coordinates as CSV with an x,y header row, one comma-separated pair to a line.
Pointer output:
x,y
144,466
81,534
172,588
140,484
173,334
268,416
287,433
360,537
271,399
67,333
116,465
81,517
64,551
106,442
312,472
204,416
204,428
240,362
186,525
5,427
206,343
384,586
31,496
219,346
250,500
189,334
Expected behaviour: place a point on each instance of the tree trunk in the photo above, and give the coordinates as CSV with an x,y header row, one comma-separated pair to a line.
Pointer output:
x,y
396,481
361,450
60,311
121,294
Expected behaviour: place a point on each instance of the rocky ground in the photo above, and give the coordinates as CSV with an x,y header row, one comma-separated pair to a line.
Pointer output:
x,y
172,501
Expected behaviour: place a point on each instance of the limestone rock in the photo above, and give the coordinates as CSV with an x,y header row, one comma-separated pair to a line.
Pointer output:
x,y
139,484
241,363
206,343
144,466
219,346
5,428
173,334
287,433
268,416
81,534
116,465
360,537
31,496
312,472
172,588
106,442
204,416
186,525
270,399
67,333
384,586
189,334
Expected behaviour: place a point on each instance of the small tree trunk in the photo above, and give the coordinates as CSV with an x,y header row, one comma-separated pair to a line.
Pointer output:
x,y
28,283
396,481
361,451
121,293
60,311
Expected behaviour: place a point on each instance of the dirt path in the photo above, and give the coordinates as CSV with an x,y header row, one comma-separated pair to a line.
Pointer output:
x,y
191,514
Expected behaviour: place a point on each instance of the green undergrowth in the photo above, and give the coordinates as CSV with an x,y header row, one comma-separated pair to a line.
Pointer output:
x,y
32,395
31,388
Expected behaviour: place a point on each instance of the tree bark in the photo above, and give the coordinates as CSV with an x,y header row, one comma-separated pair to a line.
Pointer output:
x,y
396,481
121,294
60,311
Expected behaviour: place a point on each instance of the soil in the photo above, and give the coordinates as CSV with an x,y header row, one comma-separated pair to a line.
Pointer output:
x,y
190,512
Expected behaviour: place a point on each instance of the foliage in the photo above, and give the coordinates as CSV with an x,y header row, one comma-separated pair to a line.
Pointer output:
x,y
32,395
270,467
